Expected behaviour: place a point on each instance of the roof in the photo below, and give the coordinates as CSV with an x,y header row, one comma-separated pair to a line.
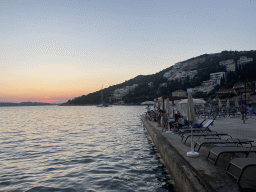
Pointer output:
x,y
178,91
225,90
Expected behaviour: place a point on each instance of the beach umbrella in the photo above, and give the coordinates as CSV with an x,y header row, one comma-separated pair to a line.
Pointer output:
x,y
148,103
190,112
228,105
236,102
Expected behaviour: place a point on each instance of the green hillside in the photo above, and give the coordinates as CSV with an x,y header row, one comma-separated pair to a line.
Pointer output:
x,y
204,64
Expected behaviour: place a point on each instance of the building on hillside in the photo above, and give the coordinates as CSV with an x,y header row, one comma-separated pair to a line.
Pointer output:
x,y
225,91
163,85
231,67
230,64
119,93
243,60
191,90
226,62
238,85
204,88
215,79
179,93
150,84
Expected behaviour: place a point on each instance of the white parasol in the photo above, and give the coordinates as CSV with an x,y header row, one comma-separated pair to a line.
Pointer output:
x,y
190,112
167,106
148,103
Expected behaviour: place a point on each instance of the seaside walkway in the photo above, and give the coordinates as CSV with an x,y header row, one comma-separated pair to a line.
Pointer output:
x,y
199,174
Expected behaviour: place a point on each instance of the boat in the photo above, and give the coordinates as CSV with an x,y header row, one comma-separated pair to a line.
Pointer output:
x,y
102,102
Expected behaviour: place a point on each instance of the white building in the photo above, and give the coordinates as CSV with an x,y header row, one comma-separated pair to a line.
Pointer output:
x,y
243,60
190,90
226,62
204,88
231,67
215,79
119,93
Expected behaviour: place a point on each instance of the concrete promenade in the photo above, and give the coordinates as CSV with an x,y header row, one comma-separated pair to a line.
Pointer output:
x,y
199,174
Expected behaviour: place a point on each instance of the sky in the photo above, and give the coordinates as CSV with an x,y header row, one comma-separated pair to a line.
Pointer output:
x,y
55,50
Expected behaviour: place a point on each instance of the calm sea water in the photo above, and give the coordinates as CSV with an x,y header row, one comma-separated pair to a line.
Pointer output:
x,y
83,148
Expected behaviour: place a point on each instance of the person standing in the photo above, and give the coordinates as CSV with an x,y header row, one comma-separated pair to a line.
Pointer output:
x,y
250,110
148,109
243,112
165,122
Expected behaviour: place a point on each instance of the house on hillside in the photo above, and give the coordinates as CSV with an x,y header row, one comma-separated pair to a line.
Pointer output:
x,y
227,62
231,67
230,64
243,60
179,93
225,91
204,88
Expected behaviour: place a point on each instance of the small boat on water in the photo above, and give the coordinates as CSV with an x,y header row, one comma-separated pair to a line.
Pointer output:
x,y
102,102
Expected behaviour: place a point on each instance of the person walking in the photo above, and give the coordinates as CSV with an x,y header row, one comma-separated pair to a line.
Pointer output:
x,y
250,110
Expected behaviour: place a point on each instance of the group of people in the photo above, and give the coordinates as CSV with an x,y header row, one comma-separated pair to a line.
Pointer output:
x,y
160,116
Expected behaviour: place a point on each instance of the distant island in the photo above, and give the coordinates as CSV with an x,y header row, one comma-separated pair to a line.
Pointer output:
x,y
10,104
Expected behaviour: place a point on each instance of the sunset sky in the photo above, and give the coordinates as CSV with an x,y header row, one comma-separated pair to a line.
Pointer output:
x,y
55,50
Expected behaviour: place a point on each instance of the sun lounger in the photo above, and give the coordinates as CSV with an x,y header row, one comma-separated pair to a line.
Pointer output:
x,y
241,164
205,127
217,151
236,141
203,134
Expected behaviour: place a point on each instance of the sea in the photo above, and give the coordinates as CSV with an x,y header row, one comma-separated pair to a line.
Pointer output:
x,y
78,148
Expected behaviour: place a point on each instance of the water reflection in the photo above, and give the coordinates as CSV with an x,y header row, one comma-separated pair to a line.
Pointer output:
x,y
53,148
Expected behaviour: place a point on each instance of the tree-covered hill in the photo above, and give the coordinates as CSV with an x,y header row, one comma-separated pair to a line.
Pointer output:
x,y
208,63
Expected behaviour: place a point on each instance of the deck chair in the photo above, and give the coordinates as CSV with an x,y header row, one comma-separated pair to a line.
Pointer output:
x,y
217,151
231,140
204,134
241,164
204,127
